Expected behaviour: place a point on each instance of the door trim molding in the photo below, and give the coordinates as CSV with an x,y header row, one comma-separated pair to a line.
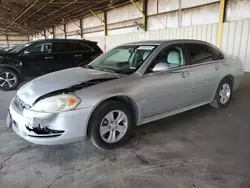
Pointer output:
x,y
170,113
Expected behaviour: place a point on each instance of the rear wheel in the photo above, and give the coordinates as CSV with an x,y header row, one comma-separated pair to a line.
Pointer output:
x,y
223,94
9,79
110,125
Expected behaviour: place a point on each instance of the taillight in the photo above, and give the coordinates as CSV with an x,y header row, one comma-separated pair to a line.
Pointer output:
x,y
100,53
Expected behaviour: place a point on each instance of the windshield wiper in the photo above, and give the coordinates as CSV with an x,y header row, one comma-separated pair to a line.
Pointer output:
x,y
105,70
87,66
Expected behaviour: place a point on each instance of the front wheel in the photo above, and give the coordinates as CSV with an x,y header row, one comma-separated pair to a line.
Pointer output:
x,y
223,94
9,79
110,125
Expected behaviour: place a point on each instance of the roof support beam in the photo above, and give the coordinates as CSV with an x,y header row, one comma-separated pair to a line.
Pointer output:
x,y
53,32
73,11
81,28
63,7
7,40
220,23
60,16
15,30
74,23
32,29
65,32
179,15
145,11
103,21
142,12
96,15
10,8
22,13
37,10
44,33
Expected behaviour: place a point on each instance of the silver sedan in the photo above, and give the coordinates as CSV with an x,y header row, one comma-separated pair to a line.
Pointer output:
x,y
130,85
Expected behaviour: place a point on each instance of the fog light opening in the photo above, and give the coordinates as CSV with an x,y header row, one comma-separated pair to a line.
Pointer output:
x,y
44,130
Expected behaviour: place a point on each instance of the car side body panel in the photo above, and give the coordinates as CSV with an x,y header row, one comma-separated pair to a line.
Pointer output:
x,y
134,87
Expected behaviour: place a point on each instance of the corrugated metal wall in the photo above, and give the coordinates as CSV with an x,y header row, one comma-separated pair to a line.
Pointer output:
x,y
236,40
235,37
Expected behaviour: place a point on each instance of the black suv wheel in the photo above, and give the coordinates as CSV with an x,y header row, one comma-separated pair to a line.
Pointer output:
x,y
9,79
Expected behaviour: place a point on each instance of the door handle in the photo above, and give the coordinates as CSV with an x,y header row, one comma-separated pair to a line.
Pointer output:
x,y
78,55
217,67
49,57
185,74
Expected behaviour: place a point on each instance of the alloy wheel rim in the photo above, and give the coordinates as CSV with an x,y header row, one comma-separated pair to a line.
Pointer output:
x,y
225,93
7,80
114,126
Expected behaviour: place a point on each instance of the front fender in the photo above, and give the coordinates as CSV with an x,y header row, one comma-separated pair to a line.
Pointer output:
x,y
11,64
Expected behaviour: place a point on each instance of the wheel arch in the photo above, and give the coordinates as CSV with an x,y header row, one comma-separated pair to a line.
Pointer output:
x,y
122,98
12,68
227,77
230,78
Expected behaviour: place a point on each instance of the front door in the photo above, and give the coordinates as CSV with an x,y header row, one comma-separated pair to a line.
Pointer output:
x,y
167,90
37,60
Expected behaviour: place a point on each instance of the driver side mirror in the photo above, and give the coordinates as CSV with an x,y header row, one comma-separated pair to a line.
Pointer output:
x,y
26,52
161,67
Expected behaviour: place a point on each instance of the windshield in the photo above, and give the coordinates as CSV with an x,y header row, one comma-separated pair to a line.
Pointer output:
x,y
123,59
20,48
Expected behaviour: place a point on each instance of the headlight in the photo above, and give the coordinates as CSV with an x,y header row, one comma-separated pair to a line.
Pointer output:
x,y
58,103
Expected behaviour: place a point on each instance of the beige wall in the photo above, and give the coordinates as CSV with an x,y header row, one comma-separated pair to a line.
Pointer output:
x,y
13,40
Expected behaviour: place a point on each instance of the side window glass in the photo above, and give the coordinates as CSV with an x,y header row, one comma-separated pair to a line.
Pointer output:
x,y
81,47
200,53
172,56
63,47
41,48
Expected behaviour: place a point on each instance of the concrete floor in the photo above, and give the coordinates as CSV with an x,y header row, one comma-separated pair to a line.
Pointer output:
x,y
205,147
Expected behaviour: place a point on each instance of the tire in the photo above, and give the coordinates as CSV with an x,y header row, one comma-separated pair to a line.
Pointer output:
x,y
9,79
218,102
101,119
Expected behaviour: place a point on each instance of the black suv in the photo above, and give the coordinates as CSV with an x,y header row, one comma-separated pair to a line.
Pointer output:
x,y
37,58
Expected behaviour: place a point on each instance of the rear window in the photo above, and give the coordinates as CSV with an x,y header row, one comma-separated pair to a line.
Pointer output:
x,y
82,47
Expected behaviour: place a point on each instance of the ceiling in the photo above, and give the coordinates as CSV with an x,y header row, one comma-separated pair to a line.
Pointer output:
x,y
30,16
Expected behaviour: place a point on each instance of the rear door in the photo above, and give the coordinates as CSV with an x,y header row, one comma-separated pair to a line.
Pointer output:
x,y
207,66
64,53
38,59
84,53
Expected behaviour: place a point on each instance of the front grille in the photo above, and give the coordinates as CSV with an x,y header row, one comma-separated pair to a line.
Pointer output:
x,y
20,104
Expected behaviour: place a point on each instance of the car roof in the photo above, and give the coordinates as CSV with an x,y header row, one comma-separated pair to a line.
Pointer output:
x,y
160,42
165,42
63,40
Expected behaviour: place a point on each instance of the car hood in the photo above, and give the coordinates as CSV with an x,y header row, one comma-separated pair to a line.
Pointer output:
x,y
7,54
61,80
3,53
6,57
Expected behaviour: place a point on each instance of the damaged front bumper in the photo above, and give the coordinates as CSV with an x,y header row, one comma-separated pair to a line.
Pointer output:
x,y
49,128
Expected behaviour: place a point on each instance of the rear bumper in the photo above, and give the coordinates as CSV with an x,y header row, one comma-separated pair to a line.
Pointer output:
x,y
67,127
